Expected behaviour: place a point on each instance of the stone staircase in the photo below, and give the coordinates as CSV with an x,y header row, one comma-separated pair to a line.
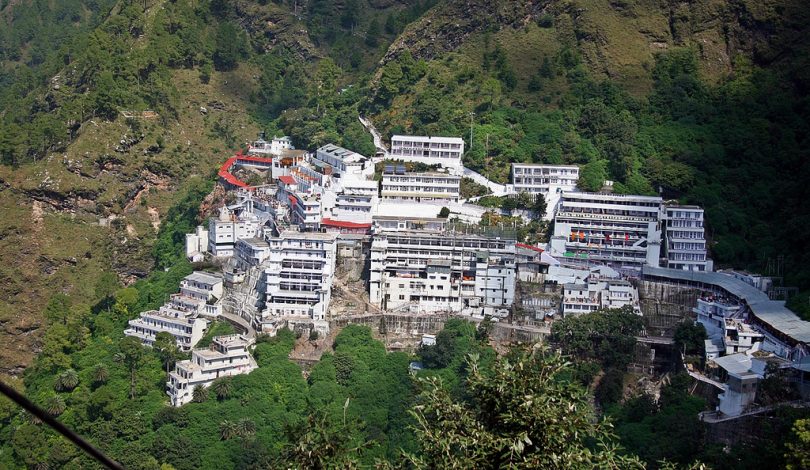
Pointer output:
x,y
244,299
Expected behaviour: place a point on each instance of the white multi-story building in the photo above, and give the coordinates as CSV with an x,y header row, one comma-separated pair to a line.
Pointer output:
x,y
187,329
713,311
305,210
427,186
685,241
225,230
251,252
298,278
202,285
200,294
740,337
354,207
443,151
549,180
275,147
355,200
579,299
599,293
621,231
225,357
337,161
440,271
197,244
739,384
495,282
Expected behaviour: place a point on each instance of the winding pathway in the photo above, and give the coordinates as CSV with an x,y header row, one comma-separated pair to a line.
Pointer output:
x,y
378,142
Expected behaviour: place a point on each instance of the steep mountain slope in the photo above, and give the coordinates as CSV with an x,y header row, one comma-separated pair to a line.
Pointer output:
x,y
617,39
704,101
96,206
83,188
651,93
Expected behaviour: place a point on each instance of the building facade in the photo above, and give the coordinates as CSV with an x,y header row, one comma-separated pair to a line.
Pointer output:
x,y
305,211
187,329
225,230
443,151
549,180
621,231
333,160
200,295
298,279
275,147
439,271
227,356
197,244
685,240
428,186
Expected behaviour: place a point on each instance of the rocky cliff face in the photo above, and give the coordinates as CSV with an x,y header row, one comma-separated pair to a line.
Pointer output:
x,y
619,38
96,207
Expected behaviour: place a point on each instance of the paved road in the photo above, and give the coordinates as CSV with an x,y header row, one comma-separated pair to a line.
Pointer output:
x,y
378,142
497,189
239,322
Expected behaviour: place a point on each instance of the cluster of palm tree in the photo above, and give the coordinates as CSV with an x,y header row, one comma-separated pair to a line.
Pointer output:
x,y
100,374
55,405
243,428
66,381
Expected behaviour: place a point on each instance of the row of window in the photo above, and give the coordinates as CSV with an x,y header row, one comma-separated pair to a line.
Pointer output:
x,y
687,256
685,215
400,144
567,182
686,223
448,242
682,234
546,171
688,246
425,153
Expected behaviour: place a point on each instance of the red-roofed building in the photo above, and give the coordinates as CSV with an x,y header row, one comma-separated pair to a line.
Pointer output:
x,y
345,226
287,180
529,247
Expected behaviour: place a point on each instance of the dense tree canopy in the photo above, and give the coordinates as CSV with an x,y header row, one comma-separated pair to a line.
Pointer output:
x,y
524,413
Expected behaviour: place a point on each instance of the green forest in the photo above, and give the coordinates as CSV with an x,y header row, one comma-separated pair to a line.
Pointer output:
x,y
360,406
520,82
726,145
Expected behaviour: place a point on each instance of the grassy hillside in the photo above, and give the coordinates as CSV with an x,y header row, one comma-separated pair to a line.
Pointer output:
x,y
84,189
705,100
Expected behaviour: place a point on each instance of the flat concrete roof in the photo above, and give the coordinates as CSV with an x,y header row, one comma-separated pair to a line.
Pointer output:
x,y
610,196
735,364
542,165
308,235
204,278
342,154
254,242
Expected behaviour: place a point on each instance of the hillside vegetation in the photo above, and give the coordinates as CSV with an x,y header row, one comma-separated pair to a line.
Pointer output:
x,y
704,101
